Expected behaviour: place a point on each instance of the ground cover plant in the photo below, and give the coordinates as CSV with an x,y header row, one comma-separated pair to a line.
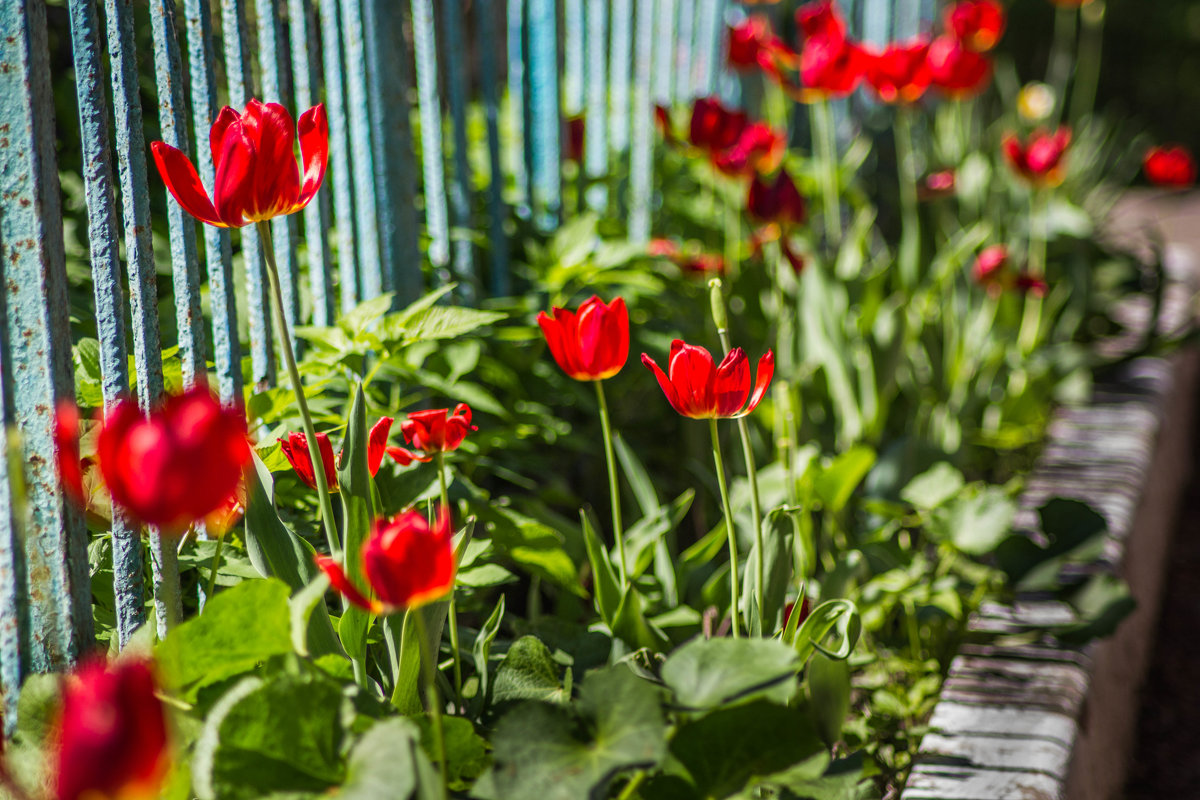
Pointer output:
x,y
437,562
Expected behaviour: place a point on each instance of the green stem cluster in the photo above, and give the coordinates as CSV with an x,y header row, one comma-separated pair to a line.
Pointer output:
x,y
452,613
825,142
729,528
614,494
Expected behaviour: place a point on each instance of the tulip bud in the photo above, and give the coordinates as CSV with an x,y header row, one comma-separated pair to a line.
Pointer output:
x,y
717,299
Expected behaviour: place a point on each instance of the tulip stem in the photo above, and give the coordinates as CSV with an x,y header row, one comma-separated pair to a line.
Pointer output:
x,y
906,163
729,528
1031,318
1058,71
825,141
1087,71
613,489
431,694
452,614
733,232
289,358
212,570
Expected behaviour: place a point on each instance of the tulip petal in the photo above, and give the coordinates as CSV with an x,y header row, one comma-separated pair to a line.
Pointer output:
x,y
216,134
377,443
235,176
692,372
552,329
276,176
405,457
340,581
665,384
183,182
314,151
766,370
731,386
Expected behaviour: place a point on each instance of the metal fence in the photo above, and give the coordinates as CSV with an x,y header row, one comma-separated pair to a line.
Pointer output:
x,y
395,200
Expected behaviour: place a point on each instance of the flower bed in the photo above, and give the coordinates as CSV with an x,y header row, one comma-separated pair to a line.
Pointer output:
x,y
735,572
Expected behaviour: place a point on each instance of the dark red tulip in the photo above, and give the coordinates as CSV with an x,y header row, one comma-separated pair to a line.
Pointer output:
x,y
900,74
1040,159
715,128
697,388
110,739
691,259
746,42
772,232
1170,166
830,66
665,248
590,344
295,450
978,24
955,69
776,201
438,430
177,464
938,184
256,173
576,132
760,148
805,608
1028,283
407,564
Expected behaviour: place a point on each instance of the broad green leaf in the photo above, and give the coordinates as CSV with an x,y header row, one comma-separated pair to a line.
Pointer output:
x,y
466,750
829,695
276,551
387,763
240,628
817,779
528,672
533,545
833,616
604,577
406,693
552,752
933,487
365,314
270,736
355,491
725,750
705,674
482,651
837,482
446,322
976,523
303,604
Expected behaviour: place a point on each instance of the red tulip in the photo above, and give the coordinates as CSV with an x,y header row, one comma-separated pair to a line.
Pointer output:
x,y
590,344
405,457
989,267
666,248
900,74
437,430
662,120
978,24
746,42
822,18
1041,158
955,69
760,148
696,388
830,66
377,443
938,184
406,562
177,464
256,173
1028,283
779,201
66,439
576,133
1171,166
690,260
295,450
715,128
110,739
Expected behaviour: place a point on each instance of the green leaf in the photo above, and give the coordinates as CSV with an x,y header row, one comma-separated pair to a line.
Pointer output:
x,y
552,752
354,489
708,673
482,651
631,626
726,749
264,737
534,545
933,487
604,577
976,523
445,322
387,763
276,551
837,616
406,693
777,571
240,628
365,314
302,606
639,479
829,695
837,482
466,750
528,672
1073,530
1102,603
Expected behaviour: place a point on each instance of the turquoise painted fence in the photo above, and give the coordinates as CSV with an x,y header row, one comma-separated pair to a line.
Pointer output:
x,y
395,200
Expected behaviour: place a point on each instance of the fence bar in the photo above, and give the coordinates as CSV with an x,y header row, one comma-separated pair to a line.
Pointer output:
x,y
707,47
459,195
425,45
517,104
218,251
358,107
241,89
14,605
574,57
33,274
544,98
684,48
664,53
273,63
641,163
500,282
106,280
595,145
339,154
619,64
